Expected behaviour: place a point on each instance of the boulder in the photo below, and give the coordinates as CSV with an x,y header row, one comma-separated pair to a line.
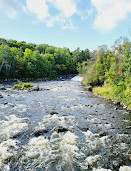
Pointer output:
x,y
60,129
102,134
35,88
88,88
83,128
2,88
40,132
1,96
53,113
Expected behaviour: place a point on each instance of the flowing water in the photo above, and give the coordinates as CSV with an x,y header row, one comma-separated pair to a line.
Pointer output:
x,y
62,128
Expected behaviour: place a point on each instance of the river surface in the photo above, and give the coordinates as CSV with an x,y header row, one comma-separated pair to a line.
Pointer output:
x,y
62,128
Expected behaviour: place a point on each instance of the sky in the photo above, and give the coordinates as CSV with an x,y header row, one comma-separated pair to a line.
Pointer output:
x,y
66,23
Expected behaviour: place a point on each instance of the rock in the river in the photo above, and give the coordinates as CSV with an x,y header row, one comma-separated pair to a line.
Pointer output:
x,y
40,132
103,134
53,113
102,118
60,129
116,102
128,127
5,103
88,105
88,88
46,89
2,88
1,96
83,128
35,88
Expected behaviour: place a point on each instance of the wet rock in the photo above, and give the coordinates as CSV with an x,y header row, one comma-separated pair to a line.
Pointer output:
x,y
53,113
83,129
88,88
11,105
40,132
102,118
88,105
118,103
17,135
1,96
60,129
103,134
5,103
35,88
2,88
116,165
44,89
128,127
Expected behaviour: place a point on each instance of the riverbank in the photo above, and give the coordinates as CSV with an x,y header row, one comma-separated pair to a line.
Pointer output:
x,y
58,78
106,92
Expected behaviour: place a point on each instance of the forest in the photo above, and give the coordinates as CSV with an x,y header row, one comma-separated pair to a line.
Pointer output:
x,y
109,71
21,60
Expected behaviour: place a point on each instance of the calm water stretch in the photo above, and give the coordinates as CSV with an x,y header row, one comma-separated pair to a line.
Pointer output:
x,y
62,128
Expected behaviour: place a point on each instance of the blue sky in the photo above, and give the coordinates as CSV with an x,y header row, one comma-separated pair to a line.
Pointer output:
x,y
66,23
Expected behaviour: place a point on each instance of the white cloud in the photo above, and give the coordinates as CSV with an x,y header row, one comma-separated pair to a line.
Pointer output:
x,y
110,12
38,7
10,8
64,9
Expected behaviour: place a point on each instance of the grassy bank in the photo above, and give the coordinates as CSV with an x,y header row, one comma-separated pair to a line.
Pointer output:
x,y
107,92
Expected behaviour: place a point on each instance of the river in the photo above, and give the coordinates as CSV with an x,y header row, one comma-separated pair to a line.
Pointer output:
x,y
62,128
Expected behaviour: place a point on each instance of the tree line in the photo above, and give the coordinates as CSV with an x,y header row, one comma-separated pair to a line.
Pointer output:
x,y
27,60
110,71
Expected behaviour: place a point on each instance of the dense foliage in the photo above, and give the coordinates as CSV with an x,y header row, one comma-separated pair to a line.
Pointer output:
x,y
22,60
111,71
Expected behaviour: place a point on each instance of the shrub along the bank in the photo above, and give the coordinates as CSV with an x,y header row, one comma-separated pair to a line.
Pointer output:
x,y
111,72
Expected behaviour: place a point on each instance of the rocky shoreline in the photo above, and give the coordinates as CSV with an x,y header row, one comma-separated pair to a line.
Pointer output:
x,y
113,100
59,78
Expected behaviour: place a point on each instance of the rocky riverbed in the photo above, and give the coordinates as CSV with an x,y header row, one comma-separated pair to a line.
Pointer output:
x,y
62,128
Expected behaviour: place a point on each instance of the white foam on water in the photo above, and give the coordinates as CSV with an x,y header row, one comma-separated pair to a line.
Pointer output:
x,y
38,147
8,150
92,159
12,126
5,150
123,146
51,121
101,169
2,106
79,106
61,148
20,108
125,168
77,78
60,151
67,150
